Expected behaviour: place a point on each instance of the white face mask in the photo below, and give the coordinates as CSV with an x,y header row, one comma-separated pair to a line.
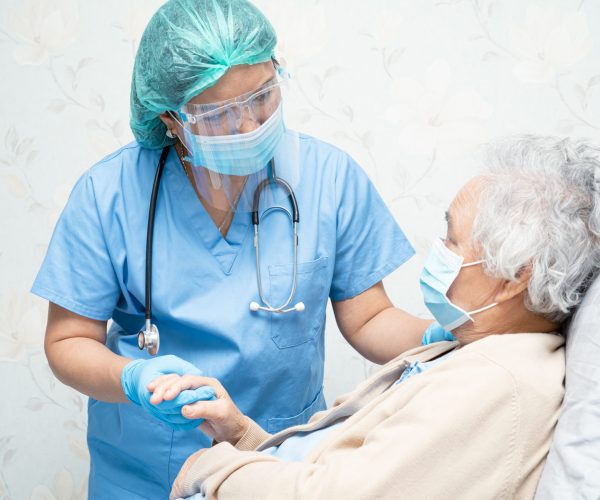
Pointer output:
x,y
439,272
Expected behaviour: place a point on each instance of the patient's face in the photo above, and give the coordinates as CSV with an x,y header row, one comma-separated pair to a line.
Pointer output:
x,y
472,288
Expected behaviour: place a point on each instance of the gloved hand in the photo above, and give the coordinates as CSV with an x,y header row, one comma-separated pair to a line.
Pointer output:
x,y
170,411
140,372
435,333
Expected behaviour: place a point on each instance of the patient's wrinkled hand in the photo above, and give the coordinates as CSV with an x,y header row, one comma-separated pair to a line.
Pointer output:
x,y
223,421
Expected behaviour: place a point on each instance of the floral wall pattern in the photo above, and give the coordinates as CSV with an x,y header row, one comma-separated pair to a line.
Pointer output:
x,y
409,88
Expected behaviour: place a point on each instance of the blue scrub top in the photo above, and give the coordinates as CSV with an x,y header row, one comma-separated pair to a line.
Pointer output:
x,y
271,364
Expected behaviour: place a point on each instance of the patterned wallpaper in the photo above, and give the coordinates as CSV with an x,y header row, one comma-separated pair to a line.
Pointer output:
x,y
409,88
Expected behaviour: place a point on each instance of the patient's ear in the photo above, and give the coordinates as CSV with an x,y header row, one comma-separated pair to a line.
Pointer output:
x,y
510,289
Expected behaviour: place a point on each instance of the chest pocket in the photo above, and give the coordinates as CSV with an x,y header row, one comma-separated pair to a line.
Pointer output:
x,y
312,287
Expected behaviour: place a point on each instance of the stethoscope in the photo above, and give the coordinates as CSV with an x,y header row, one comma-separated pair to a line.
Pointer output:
x,y
149,337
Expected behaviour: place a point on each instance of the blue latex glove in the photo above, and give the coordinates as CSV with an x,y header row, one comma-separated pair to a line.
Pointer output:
x,y
140,372
170,411
435,333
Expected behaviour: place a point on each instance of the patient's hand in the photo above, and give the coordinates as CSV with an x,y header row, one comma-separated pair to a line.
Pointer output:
x,y
223,421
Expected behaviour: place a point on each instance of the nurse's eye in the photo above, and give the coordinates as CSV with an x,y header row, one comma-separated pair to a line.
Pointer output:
x,y
262,98
215,118
214,122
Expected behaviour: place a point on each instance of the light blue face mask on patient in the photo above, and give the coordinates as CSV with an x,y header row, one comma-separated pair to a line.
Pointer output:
x,y
439,272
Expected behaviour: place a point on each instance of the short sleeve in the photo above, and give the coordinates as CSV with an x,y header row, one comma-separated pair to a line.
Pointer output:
x,y
369,242
77,272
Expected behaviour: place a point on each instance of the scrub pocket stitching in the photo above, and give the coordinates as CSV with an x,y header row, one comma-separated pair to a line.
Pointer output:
x,y
276,424
284,333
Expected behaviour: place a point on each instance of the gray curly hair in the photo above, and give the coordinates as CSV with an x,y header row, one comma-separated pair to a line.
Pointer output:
x,y
540,208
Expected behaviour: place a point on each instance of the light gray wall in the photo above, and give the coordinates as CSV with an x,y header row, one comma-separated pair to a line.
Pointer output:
x,y
409,88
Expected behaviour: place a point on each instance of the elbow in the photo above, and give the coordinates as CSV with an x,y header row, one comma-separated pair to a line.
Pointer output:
x,y
50,352
53,349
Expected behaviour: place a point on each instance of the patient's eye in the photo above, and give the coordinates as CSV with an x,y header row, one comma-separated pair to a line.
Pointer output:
x,y
449,240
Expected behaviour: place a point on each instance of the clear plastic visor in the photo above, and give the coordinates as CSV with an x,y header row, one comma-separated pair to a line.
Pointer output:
x,y
231,147
236,193
238,115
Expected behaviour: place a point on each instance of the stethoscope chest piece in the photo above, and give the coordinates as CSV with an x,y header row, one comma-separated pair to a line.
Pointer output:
x,y
149,338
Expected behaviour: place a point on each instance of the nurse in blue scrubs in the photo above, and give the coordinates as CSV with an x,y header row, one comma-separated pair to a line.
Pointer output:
x,y
208,93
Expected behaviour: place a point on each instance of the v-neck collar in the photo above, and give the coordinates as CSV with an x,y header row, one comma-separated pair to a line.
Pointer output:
x,y
224,250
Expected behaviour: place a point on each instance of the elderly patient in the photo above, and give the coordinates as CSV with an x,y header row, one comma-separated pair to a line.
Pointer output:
x,y
470,419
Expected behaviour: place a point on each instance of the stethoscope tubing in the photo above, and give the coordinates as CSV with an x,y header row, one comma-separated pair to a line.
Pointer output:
x,y
273,179
150,233
149,338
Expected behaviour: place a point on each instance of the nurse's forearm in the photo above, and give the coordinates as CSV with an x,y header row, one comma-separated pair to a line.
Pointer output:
x,y
388,334
77,355
375,328
89,367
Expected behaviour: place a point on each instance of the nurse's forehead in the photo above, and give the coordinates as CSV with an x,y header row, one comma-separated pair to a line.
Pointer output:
x,y
237,81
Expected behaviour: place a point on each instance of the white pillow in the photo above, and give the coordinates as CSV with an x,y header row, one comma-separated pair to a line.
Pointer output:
x,y
572,470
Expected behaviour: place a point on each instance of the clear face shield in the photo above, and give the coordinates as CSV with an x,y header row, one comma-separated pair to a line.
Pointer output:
x,y
233,146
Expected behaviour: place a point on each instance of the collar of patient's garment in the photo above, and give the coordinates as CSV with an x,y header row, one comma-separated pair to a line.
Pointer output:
x,y
372,388
367,390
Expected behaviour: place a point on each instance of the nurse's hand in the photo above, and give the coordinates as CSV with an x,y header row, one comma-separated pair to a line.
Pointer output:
x,y
435,333
223,421
137,377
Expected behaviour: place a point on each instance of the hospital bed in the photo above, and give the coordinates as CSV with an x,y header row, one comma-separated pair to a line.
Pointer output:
x,y
572,470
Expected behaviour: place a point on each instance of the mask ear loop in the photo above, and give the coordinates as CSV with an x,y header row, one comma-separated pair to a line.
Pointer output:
x,y
481,309
485,308
214,177
476,263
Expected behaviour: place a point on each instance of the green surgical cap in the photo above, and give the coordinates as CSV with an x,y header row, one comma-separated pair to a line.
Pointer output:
x,y
186,47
